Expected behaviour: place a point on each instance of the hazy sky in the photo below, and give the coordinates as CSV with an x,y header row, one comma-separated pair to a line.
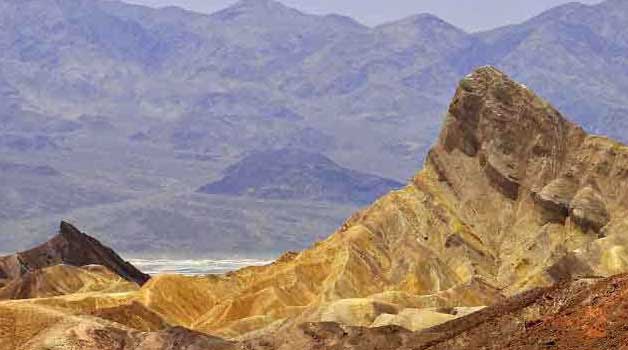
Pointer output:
x,y
468,14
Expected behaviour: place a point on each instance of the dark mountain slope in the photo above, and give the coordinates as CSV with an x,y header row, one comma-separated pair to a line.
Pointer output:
x,y
295,174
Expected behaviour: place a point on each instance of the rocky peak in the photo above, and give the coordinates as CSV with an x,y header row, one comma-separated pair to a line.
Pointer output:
x,y
508,129
69,232
70,246
490,109
535,185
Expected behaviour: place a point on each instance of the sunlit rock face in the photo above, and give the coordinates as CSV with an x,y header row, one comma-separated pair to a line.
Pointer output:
x,y
510,191
511,197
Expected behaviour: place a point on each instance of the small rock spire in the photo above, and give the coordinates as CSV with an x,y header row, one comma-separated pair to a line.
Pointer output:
x,y
66,228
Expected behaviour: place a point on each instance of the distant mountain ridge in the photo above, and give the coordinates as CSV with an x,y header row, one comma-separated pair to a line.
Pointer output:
x,y
300,63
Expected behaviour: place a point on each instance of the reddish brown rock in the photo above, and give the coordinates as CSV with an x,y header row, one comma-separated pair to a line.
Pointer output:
x,y
71,247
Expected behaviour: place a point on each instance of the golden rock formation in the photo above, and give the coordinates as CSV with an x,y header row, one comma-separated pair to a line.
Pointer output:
x,y
512,196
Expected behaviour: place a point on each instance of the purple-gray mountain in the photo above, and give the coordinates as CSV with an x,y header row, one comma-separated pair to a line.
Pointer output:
x,y
297,174
136,108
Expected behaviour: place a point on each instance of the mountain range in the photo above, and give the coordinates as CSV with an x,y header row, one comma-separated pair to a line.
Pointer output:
x,y
132,109
512,235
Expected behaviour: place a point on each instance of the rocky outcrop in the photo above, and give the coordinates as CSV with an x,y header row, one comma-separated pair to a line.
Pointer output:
x,y
563,198
589,210
554,199
70,247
